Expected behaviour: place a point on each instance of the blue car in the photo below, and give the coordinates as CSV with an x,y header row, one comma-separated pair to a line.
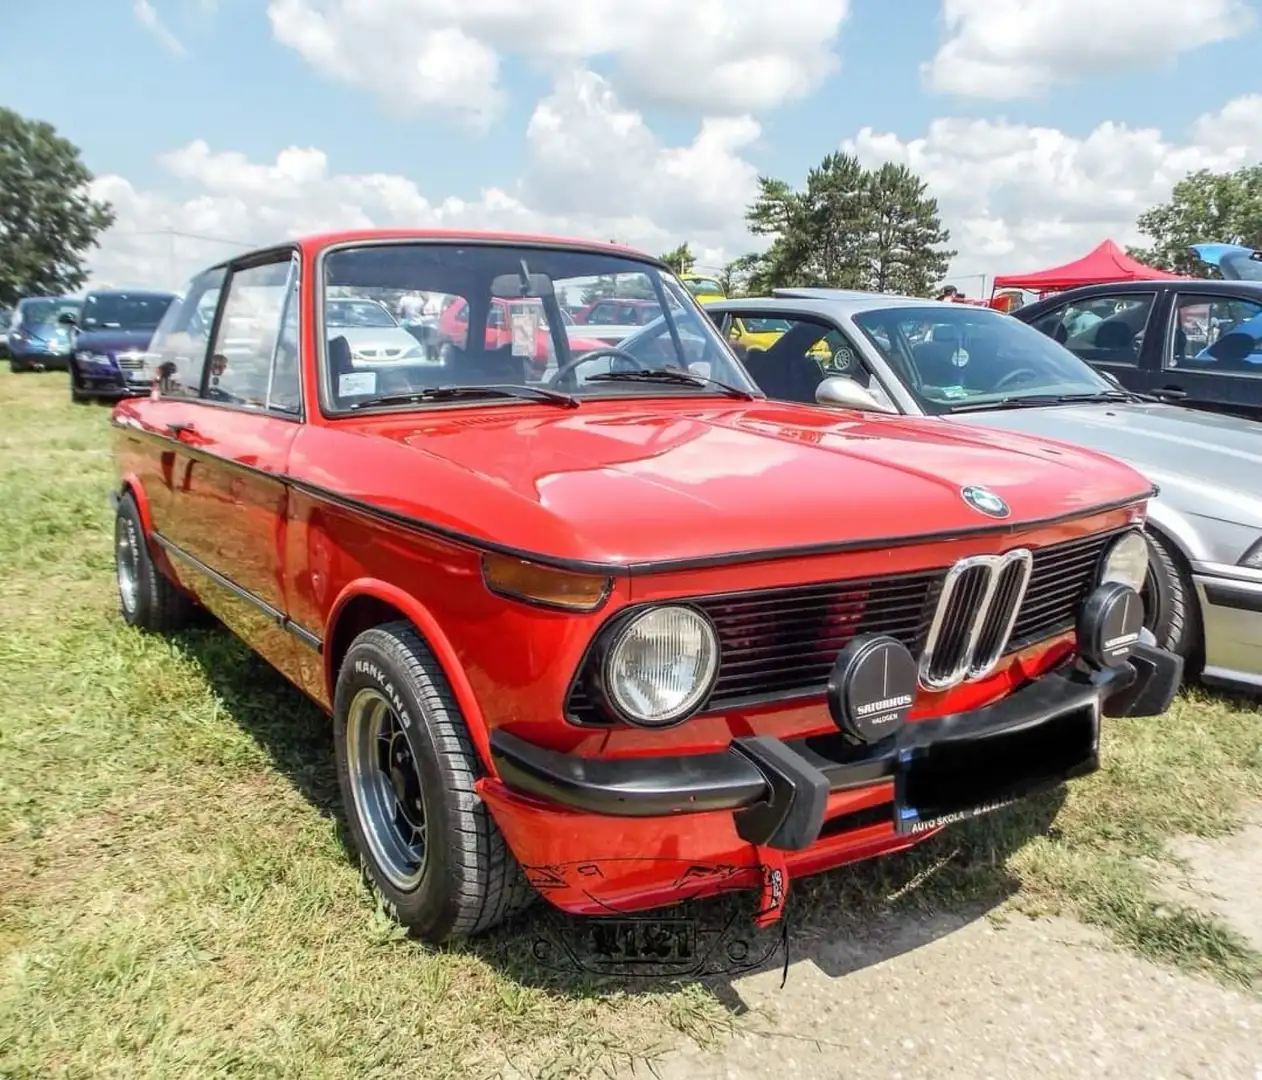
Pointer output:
x,y
38,339
1234,262
111,342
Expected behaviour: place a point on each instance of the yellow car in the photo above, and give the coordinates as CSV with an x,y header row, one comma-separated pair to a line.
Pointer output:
x,y
702,288
755,333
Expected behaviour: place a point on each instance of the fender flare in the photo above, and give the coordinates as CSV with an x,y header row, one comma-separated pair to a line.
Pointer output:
x,y
132,486
427,626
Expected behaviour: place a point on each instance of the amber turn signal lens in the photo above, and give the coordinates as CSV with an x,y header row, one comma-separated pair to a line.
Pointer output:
x,y
519,579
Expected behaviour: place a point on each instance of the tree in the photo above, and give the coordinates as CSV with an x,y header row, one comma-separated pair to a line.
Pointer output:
x,y
904,252
735,276
48,221
849,228
1204,207
681,260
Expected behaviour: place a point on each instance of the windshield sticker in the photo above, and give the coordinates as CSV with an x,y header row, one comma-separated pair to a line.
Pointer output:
x,y
356,383
525,332
952,393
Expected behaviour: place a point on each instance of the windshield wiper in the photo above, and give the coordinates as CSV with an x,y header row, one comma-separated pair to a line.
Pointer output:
x,y
1041,401
445,393
672,375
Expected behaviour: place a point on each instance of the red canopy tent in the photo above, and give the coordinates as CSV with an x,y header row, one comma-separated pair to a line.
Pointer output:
x,y
1101,265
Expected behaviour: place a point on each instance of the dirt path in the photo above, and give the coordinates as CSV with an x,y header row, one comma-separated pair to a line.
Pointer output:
x,y
1019,998
1042,998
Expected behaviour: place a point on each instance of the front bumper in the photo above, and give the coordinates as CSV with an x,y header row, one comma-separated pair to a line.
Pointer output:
x,y
818,801
39,361
1231,614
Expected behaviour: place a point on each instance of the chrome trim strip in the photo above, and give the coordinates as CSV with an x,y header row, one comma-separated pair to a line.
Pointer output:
x,y
966,666
278,617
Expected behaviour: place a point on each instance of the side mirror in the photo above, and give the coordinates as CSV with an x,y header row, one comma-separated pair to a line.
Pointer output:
x,y
66,318
848,394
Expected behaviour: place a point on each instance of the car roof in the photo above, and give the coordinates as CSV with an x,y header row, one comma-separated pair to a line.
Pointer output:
x,y
318,241
130,292
1249,289
831,301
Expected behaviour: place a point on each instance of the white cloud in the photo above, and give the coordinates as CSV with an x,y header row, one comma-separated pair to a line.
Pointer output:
x,y
714,56
1018,197
1020,48
656,196
147,15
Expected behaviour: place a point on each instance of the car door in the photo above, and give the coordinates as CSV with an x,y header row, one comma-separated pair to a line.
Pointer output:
x,y
1212,355
176,360
1108,331
228,514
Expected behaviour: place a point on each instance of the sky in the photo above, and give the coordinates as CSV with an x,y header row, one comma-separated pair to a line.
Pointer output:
x,y
1040,126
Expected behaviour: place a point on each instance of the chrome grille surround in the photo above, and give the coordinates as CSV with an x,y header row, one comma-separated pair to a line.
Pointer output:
x,y
972,623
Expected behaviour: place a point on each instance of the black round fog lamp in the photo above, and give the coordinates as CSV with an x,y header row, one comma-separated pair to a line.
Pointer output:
x,y
1109,625
871,688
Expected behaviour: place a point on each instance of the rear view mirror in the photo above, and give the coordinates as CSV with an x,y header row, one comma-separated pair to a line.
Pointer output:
x,y
848,394
66,318
517,287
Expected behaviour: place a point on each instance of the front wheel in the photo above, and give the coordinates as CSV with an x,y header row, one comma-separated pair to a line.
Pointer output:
x,y
1171,611
406,768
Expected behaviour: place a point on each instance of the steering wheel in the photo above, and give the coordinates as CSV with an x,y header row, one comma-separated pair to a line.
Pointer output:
x,y
1013,376
609,350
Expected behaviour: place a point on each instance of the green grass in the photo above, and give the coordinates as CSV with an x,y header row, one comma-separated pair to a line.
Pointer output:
x,y
176,897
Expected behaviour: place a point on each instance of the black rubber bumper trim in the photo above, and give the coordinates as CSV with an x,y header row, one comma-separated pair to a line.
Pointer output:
x,y
784,784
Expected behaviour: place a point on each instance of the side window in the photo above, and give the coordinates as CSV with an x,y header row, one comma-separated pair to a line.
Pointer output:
x,y
1052,323
248,333
1106,329
789,358
1216,335
177,351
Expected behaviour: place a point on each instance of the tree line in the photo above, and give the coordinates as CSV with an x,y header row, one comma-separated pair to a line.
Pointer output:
x,y
846,227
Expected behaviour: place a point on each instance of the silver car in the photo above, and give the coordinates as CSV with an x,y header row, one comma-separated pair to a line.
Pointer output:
x,y
973,365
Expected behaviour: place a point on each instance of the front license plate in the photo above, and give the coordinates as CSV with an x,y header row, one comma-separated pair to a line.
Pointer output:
x,y
955,780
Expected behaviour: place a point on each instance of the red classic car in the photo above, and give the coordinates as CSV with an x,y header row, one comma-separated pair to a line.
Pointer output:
x,y
625,632
453,328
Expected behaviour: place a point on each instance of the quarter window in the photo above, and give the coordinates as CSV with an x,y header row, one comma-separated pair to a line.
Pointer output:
x,y
177,352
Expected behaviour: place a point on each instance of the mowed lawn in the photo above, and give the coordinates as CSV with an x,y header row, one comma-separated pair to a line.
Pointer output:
x,y
176,898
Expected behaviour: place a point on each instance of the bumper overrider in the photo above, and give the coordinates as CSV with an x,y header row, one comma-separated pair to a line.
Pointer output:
x,y
948,768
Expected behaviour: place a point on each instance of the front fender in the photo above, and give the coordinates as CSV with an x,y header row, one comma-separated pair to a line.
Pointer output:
x,y
427,626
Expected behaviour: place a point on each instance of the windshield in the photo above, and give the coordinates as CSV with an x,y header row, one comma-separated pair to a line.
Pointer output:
x,y
46,312
952,356
124,311
351,313
503,324
703,285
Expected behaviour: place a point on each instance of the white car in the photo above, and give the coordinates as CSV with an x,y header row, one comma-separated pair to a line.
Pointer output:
x,y
373,334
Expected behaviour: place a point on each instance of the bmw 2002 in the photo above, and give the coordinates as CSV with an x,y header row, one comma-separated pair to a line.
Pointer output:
x,y
615,628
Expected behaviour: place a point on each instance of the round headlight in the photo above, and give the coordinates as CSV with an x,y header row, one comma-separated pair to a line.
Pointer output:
x,y
661,665
1126,562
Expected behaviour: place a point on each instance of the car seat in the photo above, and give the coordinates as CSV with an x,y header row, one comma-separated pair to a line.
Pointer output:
x,y
1114,336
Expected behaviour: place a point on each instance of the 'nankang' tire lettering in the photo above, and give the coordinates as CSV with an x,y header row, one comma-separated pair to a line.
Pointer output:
x,y
367,667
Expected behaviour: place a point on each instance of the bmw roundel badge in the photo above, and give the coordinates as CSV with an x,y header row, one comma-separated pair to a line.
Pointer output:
x,y
984,501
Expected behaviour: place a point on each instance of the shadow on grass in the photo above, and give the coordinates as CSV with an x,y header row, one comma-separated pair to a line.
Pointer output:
x,y
842,920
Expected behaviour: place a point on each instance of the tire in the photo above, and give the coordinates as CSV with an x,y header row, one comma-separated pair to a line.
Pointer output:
x,y
464,880
1171,610
75,396
16,365
147,598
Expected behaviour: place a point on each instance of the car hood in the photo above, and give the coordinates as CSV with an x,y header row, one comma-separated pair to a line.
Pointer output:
x,y
113,341
631,482
1210,463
